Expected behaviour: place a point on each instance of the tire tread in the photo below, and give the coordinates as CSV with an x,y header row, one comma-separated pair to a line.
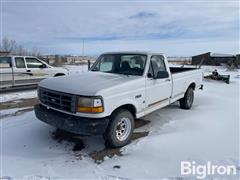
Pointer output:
x,y
110,141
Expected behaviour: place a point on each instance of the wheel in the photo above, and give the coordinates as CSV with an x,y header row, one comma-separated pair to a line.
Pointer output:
x,y
120,129
60,74
187,101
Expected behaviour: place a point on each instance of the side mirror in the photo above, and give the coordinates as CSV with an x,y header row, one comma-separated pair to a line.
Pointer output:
x,y
162,74
43,66
94,69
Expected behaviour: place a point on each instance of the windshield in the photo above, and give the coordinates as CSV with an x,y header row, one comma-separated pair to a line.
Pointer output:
x,y
128,64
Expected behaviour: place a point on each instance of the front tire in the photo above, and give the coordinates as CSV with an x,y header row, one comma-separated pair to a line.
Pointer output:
x,y
187,101
60,74
120,129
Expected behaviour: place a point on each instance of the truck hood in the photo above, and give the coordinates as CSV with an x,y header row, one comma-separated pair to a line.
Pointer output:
x,y
88,84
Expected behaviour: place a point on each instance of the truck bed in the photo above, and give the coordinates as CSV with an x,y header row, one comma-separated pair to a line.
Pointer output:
x,y
174,70
182,77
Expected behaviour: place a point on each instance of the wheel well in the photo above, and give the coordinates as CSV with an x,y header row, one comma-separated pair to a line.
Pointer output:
x,y
131,108
192,85
59,74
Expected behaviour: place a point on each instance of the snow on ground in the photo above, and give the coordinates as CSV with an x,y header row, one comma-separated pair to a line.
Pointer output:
x,y
207,132
17,95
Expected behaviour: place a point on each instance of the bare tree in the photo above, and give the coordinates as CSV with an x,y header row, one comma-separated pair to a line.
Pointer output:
x,y
8,45
35,52
20,51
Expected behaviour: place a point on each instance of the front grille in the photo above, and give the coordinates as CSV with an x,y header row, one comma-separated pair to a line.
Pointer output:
x,y
58,100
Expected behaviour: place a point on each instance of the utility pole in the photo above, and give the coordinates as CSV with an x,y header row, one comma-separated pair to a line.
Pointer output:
x,y
83,48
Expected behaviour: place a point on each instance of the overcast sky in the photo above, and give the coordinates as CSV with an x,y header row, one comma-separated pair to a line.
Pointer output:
x,y
175,28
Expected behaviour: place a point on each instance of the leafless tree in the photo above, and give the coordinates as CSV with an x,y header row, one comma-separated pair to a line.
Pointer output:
x,y
20,51
35,52
8,45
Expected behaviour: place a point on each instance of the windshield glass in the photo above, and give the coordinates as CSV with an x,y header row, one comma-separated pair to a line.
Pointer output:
x,y
128,64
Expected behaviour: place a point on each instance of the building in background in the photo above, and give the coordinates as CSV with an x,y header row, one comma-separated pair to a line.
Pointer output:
x,y
4,53
59,60
80,59
215,59
180,60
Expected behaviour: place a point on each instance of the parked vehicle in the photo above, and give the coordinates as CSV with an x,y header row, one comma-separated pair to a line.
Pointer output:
x,y
25,70
119,88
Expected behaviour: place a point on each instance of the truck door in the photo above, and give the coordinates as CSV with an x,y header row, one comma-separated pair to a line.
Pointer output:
x,y
158,90
6,72
36,69
21,77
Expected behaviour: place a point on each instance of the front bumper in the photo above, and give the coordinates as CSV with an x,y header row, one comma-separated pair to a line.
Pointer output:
x,y
70,123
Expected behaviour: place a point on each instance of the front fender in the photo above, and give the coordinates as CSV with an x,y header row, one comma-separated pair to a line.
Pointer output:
x,y
59,71
122,103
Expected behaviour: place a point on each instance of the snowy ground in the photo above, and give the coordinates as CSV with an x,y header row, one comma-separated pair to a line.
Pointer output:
x,y
18,95
207,132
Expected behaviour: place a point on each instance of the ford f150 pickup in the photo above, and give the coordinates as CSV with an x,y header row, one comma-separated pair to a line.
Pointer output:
x,y
120,87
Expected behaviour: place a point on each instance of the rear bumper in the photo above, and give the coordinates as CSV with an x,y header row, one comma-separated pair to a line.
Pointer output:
x,y
70,123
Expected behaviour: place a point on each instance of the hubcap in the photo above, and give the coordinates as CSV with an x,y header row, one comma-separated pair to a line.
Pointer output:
x,y
123,129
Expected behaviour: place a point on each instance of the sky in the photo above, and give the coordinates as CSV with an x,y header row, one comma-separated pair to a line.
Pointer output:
x,y
174,27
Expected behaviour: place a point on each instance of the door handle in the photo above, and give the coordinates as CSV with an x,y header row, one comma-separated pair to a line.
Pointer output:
x,y
168,80
28,70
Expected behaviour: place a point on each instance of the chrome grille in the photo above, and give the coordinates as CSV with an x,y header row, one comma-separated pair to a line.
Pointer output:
x,y
58,100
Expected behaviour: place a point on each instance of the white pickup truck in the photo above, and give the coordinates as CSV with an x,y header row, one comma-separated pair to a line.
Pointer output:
x,y
120,87
25,70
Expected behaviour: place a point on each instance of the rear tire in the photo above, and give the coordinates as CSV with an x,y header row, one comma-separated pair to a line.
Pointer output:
x,y
187,101
120,129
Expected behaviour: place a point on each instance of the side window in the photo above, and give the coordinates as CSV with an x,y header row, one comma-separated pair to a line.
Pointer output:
x,y
157,64
5,62
19,61
33,63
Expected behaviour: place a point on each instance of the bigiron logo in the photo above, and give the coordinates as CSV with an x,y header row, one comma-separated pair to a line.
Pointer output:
x,y
201,171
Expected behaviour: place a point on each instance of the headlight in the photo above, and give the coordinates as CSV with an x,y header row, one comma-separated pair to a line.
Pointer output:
x,y
90,105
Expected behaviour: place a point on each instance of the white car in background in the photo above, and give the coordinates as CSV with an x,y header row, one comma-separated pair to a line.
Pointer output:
x,y
25,70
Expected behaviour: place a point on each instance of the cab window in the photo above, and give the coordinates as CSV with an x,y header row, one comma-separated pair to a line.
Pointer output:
x,y
5,62
19,61
33,63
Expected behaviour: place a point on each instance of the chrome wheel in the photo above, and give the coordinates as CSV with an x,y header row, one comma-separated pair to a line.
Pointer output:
x,y
123,129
